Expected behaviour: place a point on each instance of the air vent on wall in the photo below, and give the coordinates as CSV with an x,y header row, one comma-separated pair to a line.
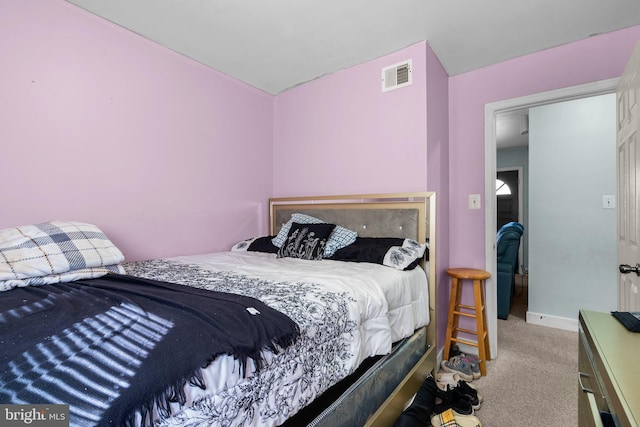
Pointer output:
x,y
396,76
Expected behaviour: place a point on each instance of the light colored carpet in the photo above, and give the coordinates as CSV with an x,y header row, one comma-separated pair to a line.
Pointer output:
x,y
533,381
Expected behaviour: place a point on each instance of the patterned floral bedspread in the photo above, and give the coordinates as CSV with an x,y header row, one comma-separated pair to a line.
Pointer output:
x,y
289,380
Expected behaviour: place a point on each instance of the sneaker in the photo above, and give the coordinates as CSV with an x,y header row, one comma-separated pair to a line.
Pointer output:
x,y
455,351
458,366
471,359
445,419
474,363
450,418
472,394
454,399
444,379
452,380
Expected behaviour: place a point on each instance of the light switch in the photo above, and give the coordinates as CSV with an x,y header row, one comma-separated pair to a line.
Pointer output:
x,y
608,202
474,201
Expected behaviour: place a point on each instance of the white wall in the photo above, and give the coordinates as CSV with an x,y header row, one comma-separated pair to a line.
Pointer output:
x,y
572,239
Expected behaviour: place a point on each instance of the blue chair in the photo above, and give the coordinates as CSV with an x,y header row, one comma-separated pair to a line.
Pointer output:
x,y
507,245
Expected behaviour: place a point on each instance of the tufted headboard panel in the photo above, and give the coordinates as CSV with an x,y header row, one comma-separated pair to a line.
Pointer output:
x,y
405,215
366,222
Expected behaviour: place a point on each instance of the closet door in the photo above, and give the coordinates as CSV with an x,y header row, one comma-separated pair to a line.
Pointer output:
x,y
628,170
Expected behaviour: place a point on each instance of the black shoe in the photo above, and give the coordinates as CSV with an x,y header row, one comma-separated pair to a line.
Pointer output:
x,y
471,393
420,410
454,351
456,400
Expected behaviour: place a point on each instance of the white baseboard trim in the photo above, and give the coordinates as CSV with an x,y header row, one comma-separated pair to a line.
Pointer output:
x,y
552,321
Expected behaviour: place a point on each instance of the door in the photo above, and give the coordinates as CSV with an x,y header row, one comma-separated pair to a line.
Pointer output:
x,y
628,163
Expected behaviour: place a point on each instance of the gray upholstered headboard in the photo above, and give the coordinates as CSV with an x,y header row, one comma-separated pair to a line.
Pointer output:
x,y
366,222
405,215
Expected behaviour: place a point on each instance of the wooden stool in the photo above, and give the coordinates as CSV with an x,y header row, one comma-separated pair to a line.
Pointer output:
x,y
476,311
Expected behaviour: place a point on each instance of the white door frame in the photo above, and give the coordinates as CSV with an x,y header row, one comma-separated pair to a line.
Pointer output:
x,y
490,111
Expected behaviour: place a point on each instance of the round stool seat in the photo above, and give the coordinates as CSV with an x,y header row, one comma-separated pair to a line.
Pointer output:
x,y
468,273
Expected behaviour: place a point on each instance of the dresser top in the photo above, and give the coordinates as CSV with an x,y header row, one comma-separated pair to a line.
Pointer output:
x,y
618,351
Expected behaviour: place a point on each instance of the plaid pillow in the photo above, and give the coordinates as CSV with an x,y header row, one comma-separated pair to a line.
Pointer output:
x,y
339,238
54,252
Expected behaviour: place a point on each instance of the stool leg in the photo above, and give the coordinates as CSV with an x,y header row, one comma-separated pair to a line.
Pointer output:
x,y
487,349
481,326
453,298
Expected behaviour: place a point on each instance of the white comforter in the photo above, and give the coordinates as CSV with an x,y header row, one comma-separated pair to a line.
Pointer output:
x,y
381,305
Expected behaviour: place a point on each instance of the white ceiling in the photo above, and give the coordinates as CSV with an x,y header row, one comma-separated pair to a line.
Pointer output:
x,y
512,129
274,45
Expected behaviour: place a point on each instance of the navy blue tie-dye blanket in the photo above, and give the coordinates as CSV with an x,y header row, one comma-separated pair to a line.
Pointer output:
x,y
115,345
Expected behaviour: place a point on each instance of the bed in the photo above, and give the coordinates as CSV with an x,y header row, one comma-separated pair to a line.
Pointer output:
x,y
365,331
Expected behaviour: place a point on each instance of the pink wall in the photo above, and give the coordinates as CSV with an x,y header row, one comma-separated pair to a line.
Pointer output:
x,y
438,175
343,120
593,59
100,125
340,134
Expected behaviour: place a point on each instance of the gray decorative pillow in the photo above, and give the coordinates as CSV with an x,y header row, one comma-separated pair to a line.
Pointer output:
x,y
306,241
340,238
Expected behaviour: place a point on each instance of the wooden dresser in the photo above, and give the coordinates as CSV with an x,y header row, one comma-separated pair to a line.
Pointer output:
x,y
609,372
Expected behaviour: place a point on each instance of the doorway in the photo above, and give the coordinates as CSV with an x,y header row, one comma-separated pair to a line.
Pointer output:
x,y
491,110
507,196
510,207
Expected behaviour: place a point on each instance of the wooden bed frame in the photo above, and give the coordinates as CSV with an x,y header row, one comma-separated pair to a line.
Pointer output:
x,y
407,215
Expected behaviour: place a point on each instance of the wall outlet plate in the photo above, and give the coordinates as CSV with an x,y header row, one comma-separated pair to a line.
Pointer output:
x,y
609,202
474,201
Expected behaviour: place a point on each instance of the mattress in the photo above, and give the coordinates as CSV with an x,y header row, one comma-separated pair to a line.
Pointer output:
x,y
346,312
